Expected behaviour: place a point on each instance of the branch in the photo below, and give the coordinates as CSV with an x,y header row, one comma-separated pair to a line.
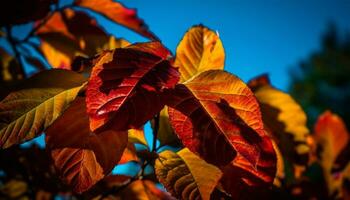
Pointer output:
x,y
44,21
13,42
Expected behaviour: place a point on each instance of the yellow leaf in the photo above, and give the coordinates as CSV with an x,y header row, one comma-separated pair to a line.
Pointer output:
x,y
199,50
14,188
55,57
137,136
280,166
166,134
186,175
331,137
285,120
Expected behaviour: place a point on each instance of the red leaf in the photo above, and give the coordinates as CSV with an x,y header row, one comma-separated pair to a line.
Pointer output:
x,y
126,84
83,157
119,14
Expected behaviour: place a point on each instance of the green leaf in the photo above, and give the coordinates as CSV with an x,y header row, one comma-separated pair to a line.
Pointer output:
x,y
186,175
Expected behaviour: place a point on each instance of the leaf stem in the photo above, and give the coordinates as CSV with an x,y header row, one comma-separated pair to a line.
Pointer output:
x,y
155,133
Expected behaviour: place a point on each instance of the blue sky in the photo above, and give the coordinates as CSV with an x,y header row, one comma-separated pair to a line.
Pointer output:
x,y
259,36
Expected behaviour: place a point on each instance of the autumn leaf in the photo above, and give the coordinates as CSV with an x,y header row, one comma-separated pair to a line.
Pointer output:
x,y
118,13
186,175
217,116
126,83
129,154
215,106
199,50
126,188
284,118
70,33
9,67
58,50
26,113
144,189
13,189
137,136
166,134
331,137
81,156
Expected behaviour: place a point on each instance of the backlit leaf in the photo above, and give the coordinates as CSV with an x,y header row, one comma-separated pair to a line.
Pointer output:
x,y
217,106
126,84
166,134
137,136
70,33
60,52
284,118
83,157
186,175
144,190
116,12
25,113
331,137
199,50
9,67
217,116
129,154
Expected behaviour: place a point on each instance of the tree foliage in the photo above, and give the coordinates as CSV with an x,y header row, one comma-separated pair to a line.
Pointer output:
x,y
219,138
322,80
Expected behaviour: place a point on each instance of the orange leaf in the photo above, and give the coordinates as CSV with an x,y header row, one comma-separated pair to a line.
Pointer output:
x,y
144,189
119,14
217,116
199,50
331,137
330,130
129,154
284,118
70,33
126,84
83,157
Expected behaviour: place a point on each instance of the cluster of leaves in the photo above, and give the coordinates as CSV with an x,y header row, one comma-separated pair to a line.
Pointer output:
x,y
235,140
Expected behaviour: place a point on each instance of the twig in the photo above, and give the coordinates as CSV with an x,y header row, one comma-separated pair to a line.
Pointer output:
x,y
155,132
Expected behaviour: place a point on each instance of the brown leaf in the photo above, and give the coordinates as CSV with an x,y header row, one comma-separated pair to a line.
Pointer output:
x,y
83,157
